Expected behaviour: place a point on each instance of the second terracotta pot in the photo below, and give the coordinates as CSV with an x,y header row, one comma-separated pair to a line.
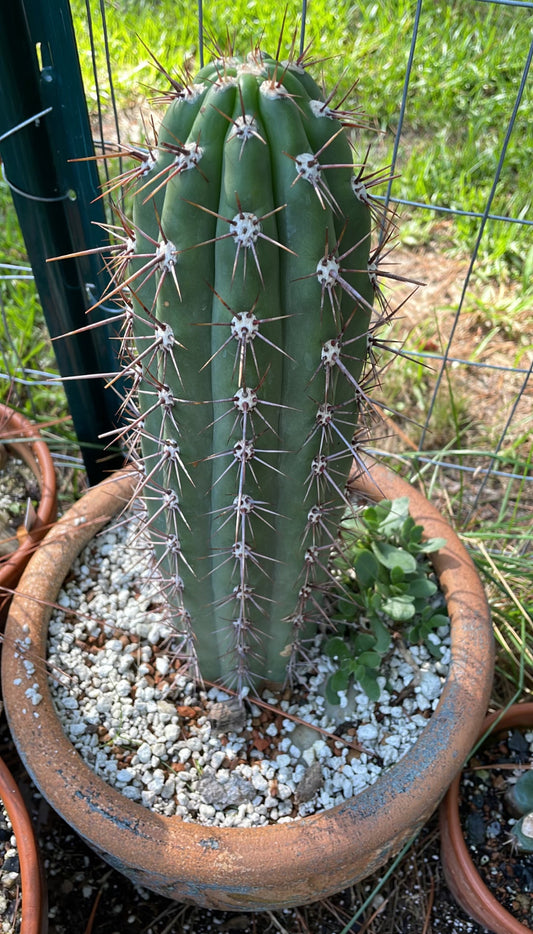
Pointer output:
x,y
22,441
33,907
256,868
462,877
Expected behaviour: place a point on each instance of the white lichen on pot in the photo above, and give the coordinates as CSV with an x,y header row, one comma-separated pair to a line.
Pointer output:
x,y
250,349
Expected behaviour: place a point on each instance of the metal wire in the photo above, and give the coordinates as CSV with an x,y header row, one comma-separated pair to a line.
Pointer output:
x,y
302,27
201,33
499,445
109,75
403,106
104,87
456,212
512,3
485,472
27,195
96,79
35,119
475,251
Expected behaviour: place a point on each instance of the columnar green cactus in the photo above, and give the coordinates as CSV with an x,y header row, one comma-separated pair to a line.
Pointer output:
x,y
251,285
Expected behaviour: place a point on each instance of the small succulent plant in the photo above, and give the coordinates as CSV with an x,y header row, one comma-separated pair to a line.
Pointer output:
x,y
387,584
522,833
520,800
249,348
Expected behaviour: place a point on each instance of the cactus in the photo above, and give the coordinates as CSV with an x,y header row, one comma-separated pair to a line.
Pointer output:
x,y
519,795
522,834
249,283
519,798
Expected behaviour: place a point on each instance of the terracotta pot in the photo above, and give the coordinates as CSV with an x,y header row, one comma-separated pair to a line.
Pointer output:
x,y
35,453
462,877
34,915
262,867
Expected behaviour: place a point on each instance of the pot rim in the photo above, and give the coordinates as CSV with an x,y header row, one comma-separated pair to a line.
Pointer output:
x,y
462,877
33,910
36,454
316,848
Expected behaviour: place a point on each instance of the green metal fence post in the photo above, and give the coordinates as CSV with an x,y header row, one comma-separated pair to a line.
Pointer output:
x,y
55,202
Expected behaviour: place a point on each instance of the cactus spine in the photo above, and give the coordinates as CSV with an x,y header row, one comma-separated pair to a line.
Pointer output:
x,y
250,285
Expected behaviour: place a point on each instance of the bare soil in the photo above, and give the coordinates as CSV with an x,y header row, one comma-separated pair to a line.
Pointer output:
x,y
491,332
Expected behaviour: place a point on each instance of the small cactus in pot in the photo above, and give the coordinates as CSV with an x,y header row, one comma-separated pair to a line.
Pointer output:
x,y
249,347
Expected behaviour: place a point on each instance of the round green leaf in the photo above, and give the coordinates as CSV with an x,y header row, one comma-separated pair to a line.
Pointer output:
x,y
397,575
422,587
366,568
383,636
338,681
433,544
399,608
363,642
369,685
337,648
391,557
370,659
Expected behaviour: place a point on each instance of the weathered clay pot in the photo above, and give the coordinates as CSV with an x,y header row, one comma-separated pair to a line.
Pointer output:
x,y
34,915
462,877
34,452
261,867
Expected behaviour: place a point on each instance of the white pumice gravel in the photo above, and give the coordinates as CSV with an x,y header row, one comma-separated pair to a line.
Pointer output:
x,y
144,726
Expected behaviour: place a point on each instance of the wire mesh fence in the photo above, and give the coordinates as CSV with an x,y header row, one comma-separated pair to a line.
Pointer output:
x,y
448,87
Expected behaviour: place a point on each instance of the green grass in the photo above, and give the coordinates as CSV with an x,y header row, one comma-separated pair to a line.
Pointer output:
x,y
508,578
22,333
459,101
24,341
460,97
